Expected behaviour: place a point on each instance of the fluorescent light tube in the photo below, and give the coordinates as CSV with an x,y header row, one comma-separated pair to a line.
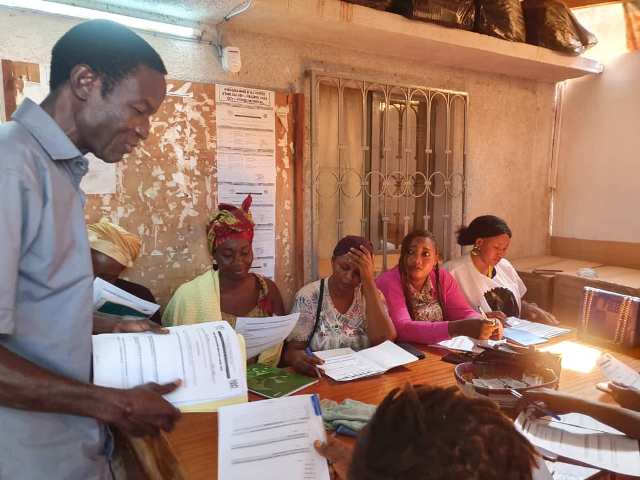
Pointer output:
x,y
88,13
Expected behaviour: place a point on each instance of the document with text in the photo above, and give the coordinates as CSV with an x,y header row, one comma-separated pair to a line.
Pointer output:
x,y
272,440
261,333
208,357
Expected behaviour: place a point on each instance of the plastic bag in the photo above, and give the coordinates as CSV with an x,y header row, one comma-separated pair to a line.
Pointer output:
x,y
450,13
500,18
377,4
551,24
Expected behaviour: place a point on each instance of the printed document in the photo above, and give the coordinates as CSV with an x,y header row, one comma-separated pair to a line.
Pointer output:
x,y
109,299
207,357
344,364
272,440
537,329
583,439
261,333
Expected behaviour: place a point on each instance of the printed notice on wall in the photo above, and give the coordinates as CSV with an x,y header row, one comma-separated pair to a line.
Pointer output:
x,y
246,157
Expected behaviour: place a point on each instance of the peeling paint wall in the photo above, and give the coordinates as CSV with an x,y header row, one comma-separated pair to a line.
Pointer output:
x,y
510,127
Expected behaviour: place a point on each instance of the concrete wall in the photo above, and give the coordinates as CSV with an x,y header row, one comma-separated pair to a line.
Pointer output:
x,y
510,118
598,163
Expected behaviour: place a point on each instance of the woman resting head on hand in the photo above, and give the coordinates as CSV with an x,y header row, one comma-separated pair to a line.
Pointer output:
x,y
344,310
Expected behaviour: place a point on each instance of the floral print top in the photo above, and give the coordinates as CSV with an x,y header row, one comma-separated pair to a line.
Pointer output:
x,y
335,329
424,303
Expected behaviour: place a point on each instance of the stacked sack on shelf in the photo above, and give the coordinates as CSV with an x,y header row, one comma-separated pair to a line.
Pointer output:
x,y
545,23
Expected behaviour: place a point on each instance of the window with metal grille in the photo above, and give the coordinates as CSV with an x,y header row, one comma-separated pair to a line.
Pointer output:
x,y
386,159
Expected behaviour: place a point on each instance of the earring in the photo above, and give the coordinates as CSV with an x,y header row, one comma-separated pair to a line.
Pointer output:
x,y
475,251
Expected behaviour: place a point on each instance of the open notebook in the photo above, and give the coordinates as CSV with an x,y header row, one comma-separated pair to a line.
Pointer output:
x,y
209,358
344,364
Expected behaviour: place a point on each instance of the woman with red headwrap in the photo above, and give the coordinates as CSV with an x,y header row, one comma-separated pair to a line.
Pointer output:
x,y
229,290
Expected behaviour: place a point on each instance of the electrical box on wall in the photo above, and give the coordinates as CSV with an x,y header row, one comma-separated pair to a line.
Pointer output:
x,y
231,60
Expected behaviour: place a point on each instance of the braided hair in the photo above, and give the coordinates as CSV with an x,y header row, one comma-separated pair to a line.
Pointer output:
x,y
435,433
402,266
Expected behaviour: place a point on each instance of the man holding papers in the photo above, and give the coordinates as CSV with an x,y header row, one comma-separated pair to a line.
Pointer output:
x,y
106,82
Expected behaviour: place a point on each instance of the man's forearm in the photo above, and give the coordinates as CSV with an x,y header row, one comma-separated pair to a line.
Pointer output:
x,y
622,419
26,386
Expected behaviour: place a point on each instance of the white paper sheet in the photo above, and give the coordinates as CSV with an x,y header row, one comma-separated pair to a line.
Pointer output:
x,y
569,471
617,371
608,451
102,177
261,333
344,364
538,329
246,159
468,344
104,292
207,358
271,440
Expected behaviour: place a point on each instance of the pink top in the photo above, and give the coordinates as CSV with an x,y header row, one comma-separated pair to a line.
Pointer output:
x,y
455,307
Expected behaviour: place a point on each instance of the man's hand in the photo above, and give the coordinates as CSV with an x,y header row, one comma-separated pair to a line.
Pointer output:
x,y
338,454
142,411
137,326
559,402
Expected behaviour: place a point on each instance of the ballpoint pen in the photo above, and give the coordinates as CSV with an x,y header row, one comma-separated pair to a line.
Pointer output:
x,y
309,353
536,405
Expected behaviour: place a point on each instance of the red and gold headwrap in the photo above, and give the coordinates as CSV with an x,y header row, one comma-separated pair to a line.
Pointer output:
x,y
230,222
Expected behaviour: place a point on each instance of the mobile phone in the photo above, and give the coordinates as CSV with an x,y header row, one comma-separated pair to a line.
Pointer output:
x,y
603,387
412,350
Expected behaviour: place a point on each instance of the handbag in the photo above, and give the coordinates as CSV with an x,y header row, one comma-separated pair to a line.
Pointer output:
x,y
610,317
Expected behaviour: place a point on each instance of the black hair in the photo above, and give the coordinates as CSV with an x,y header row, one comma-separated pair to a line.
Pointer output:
x,y
435,433
404,251
482,227
112,50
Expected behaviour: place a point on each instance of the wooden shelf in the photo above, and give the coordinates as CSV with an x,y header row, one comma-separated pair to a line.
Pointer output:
x,y
344,25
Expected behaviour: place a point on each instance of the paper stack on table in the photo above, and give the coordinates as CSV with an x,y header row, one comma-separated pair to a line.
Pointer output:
x,y
344,364
272,440
209,358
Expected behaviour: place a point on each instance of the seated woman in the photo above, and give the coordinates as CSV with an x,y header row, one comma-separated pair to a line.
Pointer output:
x,y
229,290
486,278
345,310
112,250
424,301
433,433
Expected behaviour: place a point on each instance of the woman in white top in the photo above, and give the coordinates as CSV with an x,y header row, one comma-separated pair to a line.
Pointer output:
x,y
486,278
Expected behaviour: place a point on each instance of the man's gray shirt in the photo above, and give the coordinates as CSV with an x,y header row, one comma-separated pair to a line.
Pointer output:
x,y
45,294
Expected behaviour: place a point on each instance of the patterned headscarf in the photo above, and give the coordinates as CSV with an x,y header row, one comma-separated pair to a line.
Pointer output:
x,y
114,242
230,222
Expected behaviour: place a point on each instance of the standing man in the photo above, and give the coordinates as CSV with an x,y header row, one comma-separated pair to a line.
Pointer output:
x,y
106,82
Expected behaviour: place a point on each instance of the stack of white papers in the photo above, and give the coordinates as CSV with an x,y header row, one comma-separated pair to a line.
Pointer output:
x,y
537,329
569,471
111,300
262,333
619,372
272,440
207,357
344,364
581,438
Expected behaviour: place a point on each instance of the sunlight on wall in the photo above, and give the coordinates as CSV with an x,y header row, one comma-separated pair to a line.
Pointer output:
x,y
575,356
607,23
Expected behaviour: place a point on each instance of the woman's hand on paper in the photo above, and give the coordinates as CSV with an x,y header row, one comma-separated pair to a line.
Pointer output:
x,y
477,328
497,314
302,362
142,411
338,454
137,326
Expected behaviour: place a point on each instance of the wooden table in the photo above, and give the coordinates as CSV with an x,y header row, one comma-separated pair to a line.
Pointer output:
x,y
191,450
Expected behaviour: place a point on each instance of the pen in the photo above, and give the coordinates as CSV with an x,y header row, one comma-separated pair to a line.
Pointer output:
x,y
546,411
309,353
491,321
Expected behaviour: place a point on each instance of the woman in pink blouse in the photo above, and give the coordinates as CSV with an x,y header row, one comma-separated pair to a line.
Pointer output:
x,y
424,301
